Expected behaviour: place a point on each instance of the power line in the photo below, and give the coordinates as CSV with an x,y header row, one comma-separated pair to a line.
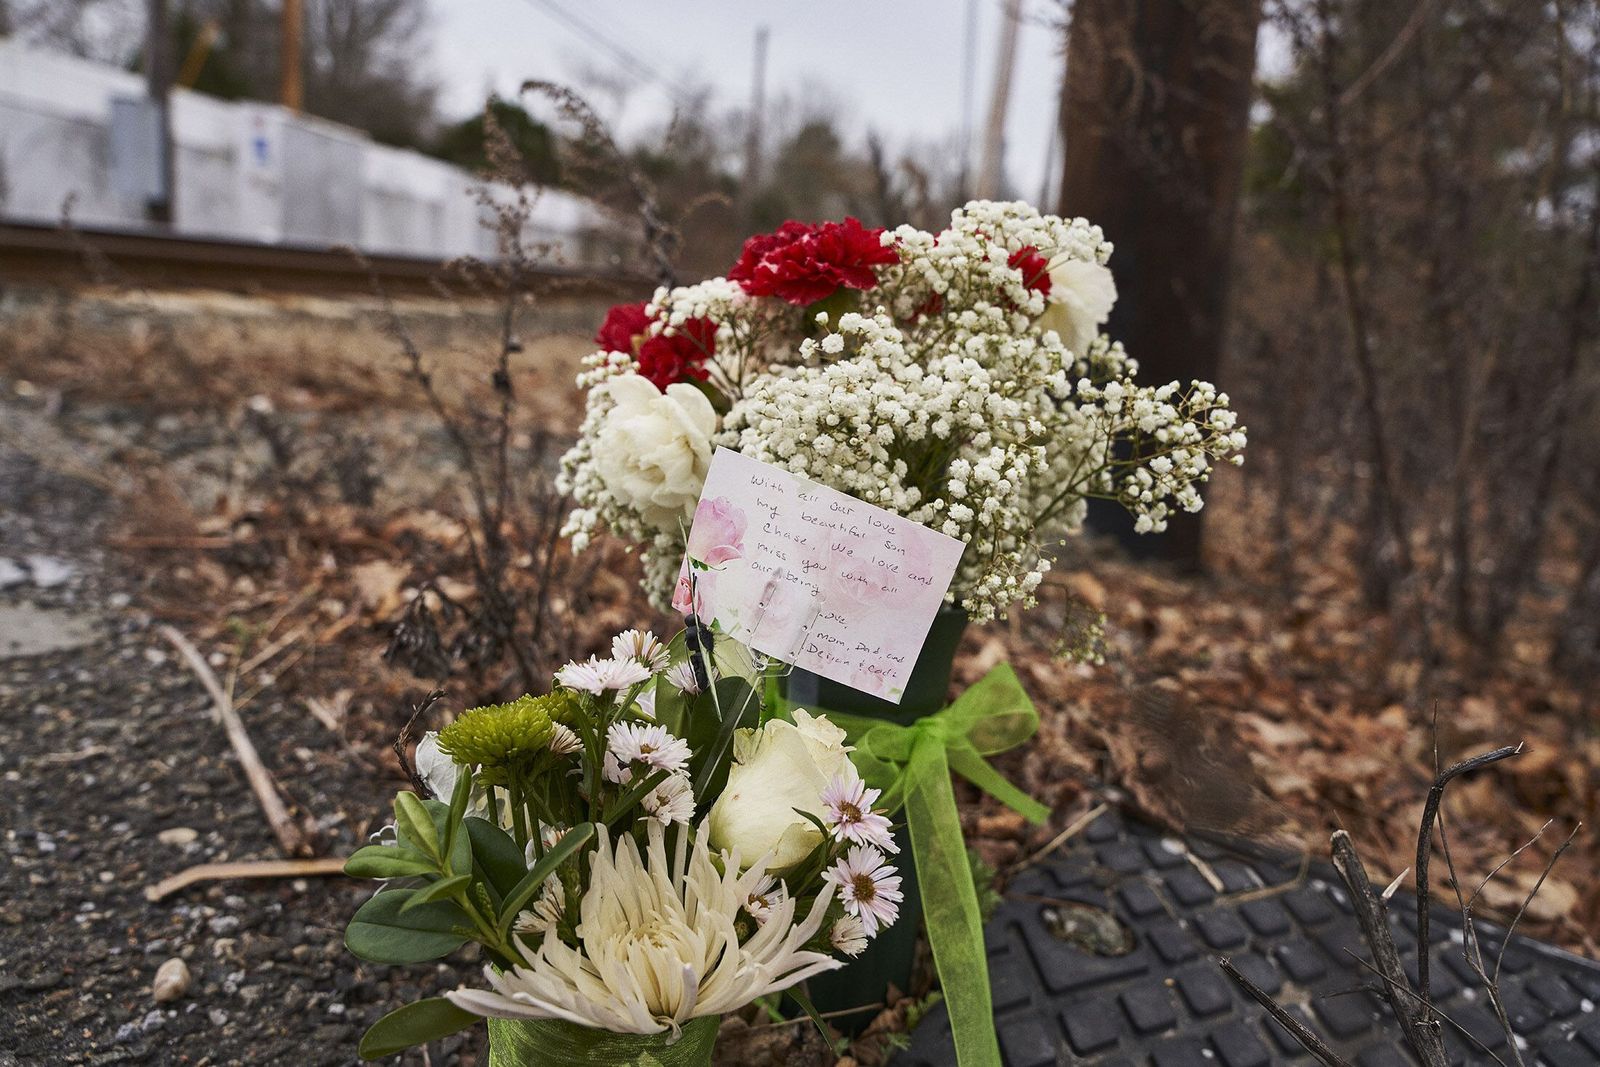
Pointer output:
x,y
617,51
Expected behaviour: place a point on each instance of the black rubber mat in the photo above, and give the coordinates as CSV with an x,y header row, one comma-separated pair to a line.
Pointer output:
x,y
1107,955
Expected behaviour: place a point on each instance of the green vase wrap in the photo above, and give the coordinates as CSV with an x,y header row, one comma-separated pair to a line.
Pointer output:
x,y
555,1043
888,959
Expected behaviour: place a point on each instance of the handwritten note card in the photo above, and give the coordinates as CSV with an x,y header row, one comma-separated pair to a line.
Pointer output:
x,y
814,577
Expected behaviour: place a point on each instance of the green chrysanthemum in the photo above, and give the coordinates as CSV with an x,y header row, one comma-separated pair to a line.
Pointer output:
x,y
504,735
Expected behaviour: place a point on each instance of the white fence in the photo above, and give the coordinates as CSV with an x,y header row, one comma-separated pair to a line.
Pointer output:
x,y
243,171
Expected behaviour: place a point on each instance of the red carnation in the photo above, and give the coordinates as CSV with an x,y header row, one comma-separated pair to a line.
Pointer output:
x,y
623,323
803,263
1034,267
680,357
662,360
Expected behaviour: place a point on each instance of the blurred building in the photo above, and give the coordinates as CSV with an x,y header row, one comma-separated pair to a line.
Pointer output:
x,y
244,171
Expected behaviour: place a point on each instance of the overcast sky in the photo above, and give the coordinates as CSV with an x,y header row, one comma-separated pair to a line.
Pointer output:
x,y
892,65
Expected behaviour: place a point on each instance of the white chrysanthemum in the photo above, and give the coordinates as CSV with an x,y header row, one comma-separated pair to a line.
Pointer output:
x,y
601,675
640,645
848,935
658,944
671,801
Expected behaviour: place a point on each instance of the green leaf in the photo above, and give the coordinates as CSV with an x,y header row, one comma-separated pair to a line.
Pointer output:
x,y
570,843
713,717
497,855
387,861
459,798
380,933
671,706
802,998
443,889
414,824
426,1020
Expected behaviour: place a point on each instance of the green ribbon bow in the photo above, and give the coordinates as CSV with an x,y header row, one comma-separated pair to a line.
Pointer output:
x,y
912,765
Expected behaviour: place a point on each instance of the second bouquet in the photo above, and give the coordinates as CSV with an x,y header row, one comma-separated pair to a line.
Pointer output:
x,y
638,852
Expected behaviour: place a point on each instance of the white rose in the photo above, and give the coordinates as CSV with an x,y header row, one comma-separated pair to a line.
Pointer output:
x,y
776,769
1080,301
654,448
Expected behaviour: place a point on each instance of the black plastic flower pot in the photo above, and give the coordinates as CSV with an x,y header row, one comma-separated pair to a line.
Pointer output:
x,y
864,982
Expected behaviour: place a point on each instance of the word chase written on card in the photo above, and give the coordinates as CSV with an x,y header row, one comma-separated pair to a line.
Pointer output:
x,y
813,577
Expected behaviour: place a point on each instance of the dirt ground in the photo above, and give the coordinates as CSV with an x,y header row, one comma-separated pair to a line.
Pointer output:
x,y
261,476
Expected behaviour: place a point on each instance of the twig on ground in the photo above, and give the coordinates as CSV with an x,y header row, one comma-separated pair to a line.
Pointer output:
x,y
1421,1033
1505,940
75,756
210,872
1298,1030
291,836
1074,828
274,648
1246,895
1408,991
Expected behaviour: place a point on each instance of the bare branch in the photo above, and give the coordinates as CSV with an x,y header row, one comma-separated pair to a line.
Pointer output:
x,y
1298,1030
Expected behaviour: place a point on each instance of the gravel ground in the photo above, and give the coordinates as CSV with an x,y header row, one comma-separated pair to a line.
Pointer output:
x,y
114,776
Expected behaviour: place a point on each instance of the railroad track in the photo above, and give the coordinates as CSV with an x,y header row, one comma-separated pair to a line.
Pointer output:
x,y
57,256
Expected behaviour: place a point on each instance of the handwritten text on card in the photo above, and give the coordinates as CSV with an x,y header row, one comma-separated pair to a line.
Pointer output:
x,y
814,577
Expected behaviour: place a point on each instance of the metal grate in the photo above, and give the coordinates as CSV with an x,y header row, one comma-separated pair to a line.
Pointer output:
x,y
1107,955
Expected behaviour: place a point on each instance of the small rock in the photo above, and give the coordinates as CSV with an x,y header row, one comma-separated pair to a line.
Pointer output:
x,y
218,1017
178,835
171,981
49,572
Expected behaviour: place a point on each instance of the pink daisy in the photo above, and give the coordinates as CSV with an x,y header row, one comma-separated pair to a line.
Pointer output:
x,y
847,809
646,743
599,675
764,896
641,646
681,675
848,935
868,887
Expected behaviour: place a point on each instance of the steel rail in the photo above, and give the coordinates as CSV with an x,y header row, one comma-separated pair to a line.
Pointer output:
x,y
51,254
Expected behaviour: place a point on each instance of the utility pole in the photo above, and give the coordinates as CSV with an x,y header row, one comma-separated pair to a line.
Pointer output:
x,y
1049,189
158,85
969,91
291,86
758,104
994,135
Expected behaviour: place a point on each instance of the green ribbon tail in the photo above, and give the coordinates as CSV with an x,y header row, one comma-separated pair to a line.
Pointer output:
x,y
975,769
950,904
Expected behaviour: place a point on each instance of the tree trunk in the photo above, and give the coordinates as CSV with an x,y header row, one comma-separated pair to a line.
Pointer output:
x,y
1155,119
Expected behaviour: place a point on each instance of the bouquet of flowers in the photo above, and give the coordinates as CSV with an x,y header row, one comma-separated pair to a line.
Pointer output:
x,y
957,378
638,852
